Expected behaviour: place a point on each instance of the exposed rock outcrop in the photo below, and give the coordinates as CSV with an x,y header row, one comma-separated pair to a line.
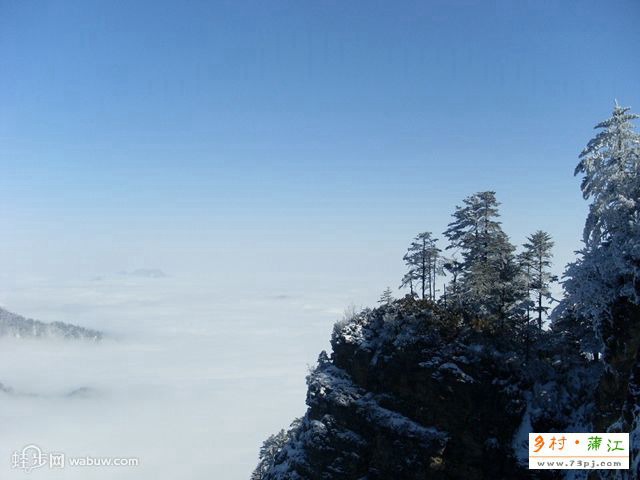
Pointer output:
x,y
404,396
410,393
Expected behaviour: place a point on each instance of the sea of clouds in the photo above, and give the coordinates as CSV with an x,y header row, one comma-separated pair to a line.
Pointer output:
x,y
193,375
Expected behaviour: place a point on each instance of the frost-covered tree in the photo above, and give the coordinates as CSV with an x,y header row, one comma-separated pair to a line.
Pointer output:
x,y
508,294
387,297
606,275
489,284
423,265
475,226
271,447
536,260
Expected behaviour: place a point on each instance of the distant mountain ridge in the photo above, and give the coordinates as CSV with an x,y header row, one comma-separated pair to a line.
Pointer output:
x,y
17,326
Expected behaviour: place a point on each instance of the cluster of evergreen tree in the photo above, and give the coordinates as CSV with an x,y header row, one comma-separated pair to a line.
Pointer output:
x,y
490,285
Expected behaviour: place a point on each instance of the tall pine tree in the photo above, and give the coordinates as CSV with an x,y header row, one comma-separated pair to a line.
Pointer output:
x,y
607,274
489,285
537,254
603,286
386,298
423,265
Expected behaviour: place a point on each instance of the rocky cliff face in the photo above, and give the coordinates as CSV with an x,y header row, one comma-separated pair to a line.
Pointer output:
x,y
409,394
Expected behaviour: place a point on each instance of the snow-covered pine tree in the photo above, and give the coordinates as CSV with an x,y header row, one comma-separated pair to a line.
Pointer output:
x,y
607,274
537,262
489,284
603,286
271,447
387,297
509,291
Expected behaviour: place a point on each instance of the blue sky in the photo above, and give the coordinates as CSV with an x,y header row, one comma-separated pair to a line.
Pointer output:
x,y
255,138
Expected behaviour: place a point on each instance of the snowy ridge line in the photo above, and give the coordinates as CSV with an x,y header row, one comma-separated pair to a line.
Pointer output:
x,y
17,326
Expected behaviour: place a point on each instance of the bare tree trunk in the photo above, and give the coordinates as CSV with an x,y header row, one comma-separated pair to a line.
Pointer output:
x,y
539,310
540,286
424,266
431,279
526,341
